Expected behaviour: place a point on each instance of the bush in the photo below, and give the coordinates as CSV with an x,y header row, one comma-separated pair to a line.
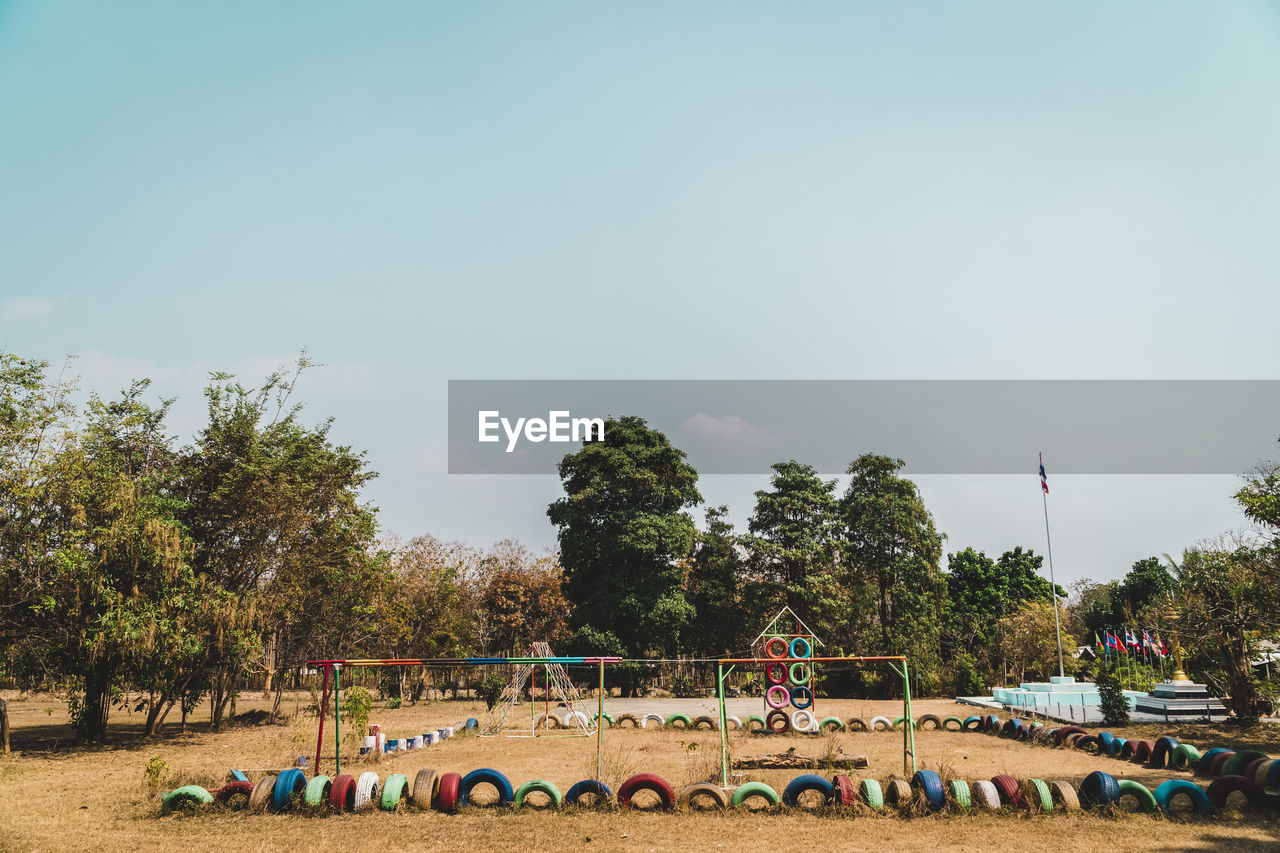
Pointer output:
x,y
1114,705
967,679
490,690
393,703
356,704
684,686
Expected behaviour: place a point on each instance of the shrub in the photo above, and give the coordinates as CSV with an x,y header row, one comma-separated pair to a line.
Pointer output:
x,y
1114,705
490,690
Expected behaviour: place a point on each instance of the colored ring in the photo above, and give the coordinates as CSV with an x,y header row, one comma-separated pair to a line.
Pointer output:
x,y
1175,787
776,673
806,651
801,697
777,696
803,721
485,775
800,673
807,782
541,786
597,790
776,647
186,794
777,714
754,789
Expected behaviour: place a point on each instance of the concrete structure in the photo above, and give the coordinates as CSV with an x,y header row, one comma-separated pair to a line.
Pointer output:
x,y
1181,699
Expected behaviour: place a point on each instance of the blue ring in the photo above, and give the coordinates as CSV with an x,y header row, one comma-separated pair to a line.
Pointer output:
x,y
797,692
808,649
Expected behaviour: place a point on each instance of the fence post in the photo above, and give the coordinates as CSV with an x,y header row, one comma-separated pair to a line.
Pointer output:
x,y
4,726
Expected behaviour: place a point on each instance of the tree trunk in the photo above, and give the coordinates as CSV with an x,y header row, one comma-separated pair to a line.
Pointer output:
x,y
4,727
97,702
1244,693
154,716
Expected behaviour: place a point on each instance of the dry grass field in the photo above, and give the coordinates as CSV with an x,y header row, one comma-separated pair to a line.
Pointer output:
x,y
56,797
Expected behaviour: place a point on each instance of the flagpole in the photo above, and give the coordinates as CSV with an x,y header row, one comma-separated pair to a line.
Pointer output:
x,y
1057,624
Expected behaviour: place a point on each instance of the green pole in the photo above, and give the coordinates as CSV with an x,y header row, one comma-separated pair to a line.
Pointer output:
x,y
908,724
724,721
337,720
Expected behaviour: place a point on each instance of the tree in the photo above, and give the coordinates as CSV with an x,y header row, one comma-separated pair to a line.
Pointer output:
x,y
1259,497
521,599
1111,699
712,587
1029,639
792,546
1147,584
623,533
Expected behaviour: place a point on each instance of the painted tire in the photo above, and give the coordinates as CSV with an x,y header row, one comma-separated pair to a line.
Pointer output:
x,y
1238,764
1070,740
1206,758
1140,792
483,776
540,786
472,723
1098,789
877,722
800,673
187,794
807,782
704,720
1225,786
1216,766
843,792
831,724
1185,757
699,790
1142,752
1010,790
991,723
970,724
1038,796
801,697
946,724
1263,772
1010,728
897,793
929,785
776,647
447,792
800,648
1090,743
870,792
599,792
1062,733
1064,797
856,724
958,790
899,720
627,718
1127,748
647,782
1165,793
238,788
754,789
393,792
342,796
985,795
568,720
317,792
260,797
547,721
777,714
751,721
682,719
777,697
656,718
775,673
1105,739
368,787
1162,752
289,782
606,716
1118,747
424,788
1250,770
733,722
803,721
929,718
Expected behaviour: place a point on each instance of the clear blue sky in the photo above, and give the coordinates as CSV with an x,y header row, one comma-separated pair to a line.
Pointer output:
x,y
423,191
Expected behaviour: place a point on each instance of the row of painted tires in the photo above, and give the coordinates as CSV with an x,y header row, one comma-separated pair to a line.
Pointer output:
x,y
801,720
925,791
424,740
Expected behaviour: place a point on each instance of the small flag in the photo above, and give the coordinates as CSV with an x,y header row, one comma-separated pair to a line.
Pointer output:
x,y
1113,642
1129,639
1044,479
1097,642
1161,647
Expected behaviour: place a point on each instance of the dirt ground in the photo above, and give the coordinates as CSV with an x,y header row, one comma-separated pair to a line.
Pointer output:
x,y
54,796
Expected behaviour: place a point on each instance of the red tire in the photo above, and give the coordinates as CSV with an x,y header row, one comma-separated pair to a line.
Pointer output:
x,y
1010,790
447,794
646,782
1251,768
772,650
1142,751
1215,766
1225,786
777,714
1061,734
231,790
342,796
846,793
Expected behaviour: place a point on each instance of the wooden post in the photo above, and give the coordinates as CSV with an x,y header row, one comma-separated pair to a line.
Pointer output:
x,y
4,726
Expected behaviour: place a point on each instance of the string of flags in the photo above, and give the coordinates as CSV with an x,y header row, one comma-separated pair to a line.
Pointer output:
x,y
1127,642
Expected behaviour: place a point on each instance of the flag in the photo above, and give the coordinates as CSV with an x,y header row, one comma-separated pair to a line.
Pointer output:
x,y
1161,648
1096,641
1147,644
1113,642
1130,640
1044,480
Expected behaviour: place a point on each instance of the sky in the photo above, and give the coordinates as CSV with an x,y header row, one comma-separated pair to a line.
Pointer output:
x,y
417,192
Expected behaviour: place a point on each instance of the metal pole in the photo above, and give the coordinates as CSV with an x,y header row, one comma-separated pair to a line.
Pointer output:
x,y
724,735
337,720
600,728
908,724
324,702
1057,625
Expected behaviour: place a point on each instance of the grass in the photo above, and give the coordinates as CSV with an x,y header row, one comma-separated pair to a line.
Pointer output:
x,y
58,797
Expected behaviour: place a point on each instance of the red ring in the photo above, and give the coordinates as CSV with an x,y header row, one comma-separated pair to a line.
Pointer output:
x,y
769,647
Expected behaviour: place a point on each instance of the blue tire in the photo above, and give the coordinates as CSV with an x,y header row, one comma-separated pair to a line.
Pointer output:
x,y
1174,787
1105,739
971,724
1099,789
293,779
801,697
594,787
805,649
806,782
1117,744
1273,775
491,776
472,723
1162,752
930,784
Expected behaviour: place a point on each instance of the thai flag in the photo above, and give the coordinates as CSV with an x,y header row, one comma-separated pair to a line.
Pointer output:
x,y
1129,639
1044,480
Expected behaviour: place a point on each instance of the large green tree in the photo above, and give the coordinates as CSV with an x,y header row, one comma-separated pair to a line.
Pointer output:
x,y
713,587
624,535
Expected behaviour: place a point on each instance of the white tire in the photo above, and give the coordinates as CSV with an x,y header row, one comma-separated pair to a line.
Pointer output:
x,y
368,789
657,718
733,722
985,795
572,716
876,721
803,721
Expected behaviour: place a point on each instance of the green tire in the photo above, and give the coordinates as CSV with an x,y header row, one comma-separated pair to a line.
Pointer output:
x,y
1186,756
1140,792
1037,793
897,721
317,792
393,791
608,718
677,717
539,786
185,794
871,793
960,794
754,789
836,724
1236,764
754,718
959,723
